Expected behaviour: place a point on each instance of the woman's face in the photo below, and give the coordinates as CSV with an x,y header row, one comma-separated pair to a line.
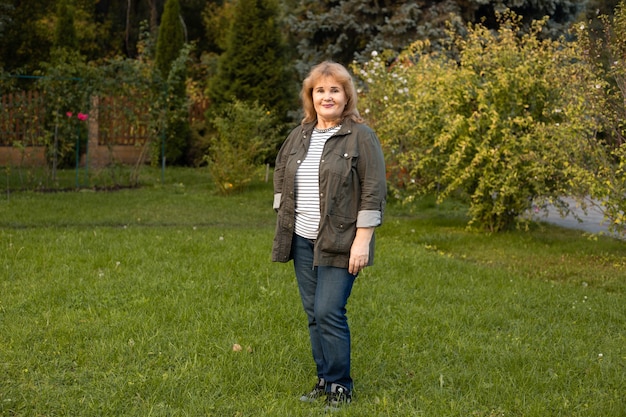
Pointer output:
x,y
329,99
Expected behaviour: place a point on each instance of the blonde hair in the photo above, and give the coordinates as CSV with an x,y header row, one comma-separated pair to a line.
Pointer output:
x,y
340,74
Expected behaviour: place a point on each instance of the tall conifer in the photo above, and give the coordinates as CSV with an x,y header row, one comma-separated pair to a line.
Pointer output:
x,y
254,66
171,37
170,42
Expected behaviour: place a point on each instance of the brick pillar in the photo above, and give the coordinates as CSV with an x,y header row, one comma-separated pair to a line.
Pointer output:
x,y
94,154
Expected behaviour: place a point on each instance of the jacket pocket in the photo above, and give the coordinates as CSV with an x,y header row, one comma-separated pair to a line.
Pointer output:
x,y
338,236
344,163
285,222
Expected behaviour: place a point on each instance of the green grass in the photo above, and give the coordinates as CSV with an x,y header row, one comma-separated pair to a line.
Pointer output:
x,y
129,303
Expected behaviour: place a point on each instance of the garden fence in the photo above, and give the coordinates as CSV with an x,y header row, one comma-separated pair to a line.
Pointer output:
x,y
117,129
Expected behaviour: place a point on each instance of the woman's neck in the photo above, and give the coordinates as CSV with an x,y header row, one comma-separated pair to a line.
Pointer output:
x,y
327,124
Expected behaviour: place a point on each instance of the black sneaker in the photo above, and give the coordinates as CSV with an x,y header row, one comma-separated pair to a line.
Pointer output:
x,y
337,397
318,391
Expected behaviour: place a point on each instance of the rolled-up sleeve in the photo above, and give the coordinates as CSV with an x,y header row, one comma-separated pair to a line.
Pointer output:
x,y
279,175
276,204
369,218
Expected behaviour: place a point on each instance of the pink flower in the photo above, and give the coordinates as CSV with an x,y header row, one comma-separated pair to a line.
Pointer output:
x,y
82,116
69,114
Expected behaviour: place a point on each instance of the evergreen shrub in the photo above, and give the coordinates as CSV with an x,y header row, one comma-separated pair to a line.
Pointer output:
x,y
244,135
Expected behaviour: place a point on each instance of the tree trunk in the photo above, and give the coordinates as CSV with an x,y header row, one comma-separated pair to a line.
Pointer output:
x,y
154,16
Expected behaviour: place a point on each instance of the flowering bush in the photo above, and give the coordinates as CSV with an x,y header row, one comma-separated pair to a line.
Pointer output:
x,y
77,133
80,116
505,119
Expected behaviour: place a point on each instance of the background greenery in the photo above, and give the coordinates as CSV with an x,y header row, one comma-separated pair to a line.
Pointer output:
x,y
315,30
506,119
129,303
510,105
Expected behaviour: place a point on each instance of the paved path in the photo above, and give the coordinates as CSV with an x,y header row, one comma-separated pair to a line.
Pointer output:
x,y
592,222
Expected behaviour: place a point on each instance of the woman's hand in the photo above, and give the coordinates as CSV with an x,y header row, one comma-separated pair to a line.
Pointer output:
x,y
360,250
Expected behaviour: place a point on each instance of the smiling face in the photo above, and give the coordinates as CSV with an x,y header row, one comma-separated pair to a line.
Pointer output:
x,y
329,100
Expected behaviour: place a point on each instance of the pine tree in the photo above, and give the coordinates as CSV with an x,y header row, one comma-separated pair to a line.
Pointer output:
x,y
171,37
170,42
253,67
353,29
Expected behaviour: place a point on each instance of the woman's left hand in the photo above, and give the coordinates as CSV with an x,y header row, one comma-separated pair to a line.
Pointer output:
x,y
360,250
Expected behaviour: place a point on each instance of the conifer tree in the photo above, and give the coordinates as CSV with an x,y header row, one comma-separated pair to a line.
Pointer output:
x,y
254,66
352,29
170,43
171,37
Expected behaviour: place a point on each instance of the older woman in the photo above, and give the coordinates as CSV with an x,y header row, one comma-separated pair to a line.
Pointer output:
x,y
329,192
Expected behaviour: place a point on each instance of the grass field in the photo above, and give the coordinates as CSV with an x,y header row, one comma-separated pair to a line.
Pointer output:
x,y
128,303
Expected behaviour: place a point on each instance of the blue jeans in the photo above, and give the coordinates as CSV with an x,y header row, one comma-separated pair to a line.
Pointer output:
x,y
324,291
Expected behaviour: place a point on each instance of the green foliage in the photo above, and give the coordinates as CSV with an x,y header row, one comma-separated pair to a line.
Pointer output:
x,y
336,30
5,19
70,84
25,40
254,68
603,47
353,29
217,21
614,48
165,98
245,135
174,105
510,122
65,31
67,91
171,37
615,202
340,30
169,48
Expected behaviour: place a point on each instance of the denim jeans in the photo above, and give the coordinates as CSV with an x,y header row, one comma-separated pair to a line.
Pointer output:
x,y
324,291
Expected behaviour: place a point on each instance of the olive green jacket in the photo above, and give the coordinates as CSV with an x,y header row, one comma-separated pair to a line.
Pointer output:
x,y
352,186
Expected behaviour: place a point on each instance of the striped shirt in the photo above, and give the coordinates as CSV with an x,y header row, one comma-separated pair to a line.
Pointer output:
x,y
308,186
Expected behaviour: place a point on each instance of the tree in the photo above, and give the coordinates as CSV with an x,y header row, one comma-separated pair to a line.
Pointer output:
x,y
25,41
170,43
611,47
507,121
217,22
65,31
352,29
5,18
171,37
253,67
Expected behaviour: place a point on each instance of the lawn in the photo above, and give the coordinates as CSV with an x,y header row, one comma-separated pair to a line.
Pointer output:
x,y
129,303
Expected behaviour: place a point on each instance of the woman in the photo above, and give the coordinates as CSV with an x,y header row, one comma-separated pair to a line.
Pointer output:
x,y
329,192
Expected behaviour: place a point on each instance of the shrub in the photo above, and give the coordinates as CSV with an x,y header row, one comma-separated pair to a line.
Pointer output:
x,y
170,62
614,48
504,118
244,135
